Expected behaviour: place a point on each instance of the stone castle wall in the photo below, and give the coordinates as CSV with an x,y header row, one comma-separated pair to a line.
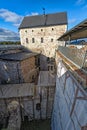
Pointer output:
x,y
18,71
49,35
28,70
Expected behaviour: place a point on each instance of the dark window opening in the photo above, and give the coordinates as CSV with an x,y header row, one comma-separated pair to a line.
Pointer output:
x,y
52,29
32,30
26,40
51,67
41,40
48,59
33,40
41,29
38,106
52,40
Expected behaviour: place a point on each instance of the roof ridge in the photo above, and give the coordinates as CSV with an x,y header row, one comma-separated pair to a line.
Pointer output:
x,y
46,14
58,18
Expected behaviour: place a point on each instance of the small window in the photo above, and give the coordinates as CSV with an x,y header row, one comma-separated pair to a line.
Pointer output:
x,y
48,59
33,40
52,29
41,40
51,67
41,30
32,30
26,31
38,106
26,40
52,40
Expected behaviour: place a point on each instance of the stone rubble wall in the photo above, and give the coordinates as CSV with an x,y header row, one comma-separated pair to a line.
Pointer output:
x,y
28,104
9,72
48,47
70,103
18,71
14,122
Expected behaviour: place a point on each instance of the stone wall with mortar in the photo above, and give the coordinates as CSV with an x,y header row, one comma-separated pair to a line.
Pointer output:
x,y
50,43
28,98
49,34
18,71
28,70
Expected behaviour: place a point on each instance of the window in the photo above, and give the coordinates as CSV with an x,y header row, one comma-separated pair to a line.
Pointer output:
x,y
52,40
26,31
38,106
26,40
48,59
41,29
51,67
33,40
52,29
41,40
32,30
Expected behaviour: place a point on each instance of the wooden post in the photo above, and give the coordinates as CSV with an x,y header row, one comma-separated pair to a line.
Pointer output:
x,y
47,101
33,107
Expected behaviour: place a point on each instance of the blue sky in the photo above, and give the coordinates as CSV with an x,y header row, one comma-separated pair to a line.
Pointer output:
x,y
13,11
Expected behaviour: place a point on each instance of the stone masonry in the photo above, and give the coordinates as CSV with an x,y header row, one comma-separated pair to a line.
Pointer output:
x,y
31,39
48,34
18,71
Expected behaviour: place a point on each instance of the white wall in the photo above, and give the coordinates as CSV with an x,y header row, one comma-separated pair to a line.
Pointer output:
x,y
70,111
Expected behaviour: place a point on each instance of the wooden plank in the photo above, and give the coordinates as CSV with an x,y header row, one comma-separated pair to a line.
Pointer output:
x,y
81,98
47,101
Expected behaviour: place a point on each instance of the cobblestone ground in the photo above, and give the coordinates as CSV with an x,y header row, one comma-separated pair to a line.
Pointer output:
x,y
36,125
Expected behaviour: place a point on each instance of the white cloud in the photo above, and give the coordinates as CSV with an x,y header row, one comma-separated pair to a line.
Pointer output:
x,y
16,24
34,13
12,17
80,2
71,21
9,16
